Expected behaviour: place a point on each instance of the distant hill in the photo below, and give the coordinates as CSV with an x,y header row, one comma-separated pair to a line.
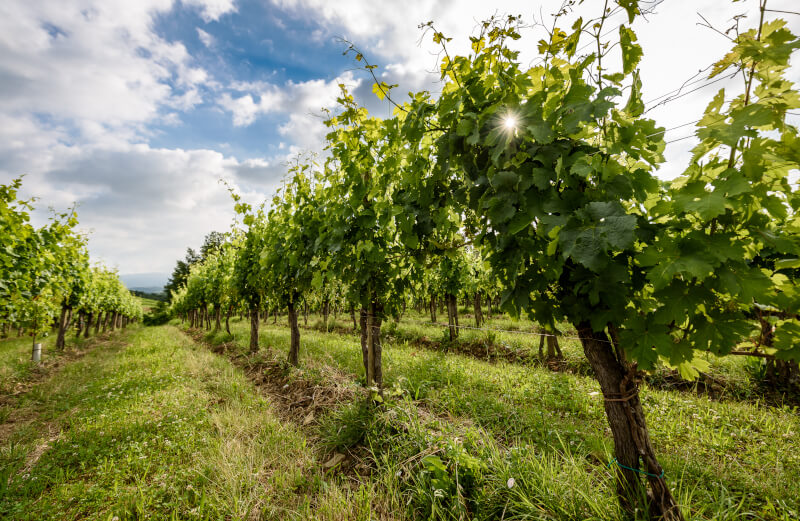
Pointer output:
x,y
145,282
148,290
160,297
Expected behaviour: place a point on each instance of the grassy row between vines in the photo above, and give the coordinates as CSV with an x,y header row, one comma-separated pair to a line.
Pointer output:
x,y
547,430
517,340
149,425
148,304
18,372
15,362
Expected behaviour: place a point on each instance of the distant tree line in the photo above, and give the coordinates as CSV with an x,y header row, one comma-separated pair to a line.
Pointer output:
x,y
161,297
211,244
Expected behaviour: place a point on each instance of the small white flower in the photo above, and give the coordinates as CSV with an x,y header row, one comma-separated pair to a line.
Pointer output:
x,y
594,393
511,482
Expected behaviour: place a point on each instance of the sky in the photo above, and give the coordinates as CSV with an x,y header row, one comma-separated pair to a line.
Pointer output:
x,y
143,112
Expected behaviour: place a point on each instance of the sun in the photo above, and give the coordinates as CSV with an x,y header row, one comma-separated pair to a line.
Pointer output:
x,y
510,122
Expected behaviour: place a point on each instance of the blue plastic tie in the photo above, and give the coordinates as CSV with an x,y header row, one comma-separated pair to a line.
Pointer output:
x,y
658,476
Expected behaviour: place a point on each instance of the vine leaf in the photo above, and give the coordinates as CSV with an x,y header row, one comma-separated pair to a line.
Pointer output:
x,y
631,51
631,7
605,228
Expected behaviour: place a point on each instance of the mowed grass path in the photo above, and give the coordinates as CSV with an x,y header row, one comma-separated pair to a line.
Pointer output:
x,y
727,459
152,426
16,368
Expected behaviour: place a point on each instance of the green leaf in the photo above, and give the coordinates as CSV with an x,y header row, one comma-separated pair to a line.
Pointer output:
x,y
520,222
615,78
607,228
635,105
645,344
541,132
571,43
707,204
787,264
542,177
465,126
411,240
631,7
666,264
432,463
631,52
735,183
317,280
504,181
501,209
691,369
787,340
379,89
716,334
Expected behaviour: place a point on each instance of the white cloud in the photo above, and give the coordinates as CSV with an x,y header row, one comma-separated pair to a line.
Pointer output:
x,y
96,64
381,33
302,101
25,145
245,109
305,131
212,10
208,40
80,84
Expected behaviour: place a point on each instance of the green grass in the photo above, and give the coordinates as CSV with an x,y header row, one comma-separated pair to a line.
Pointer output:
x,y
148,303
505,338
15,361
723,458
150,425
155,427
16,367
